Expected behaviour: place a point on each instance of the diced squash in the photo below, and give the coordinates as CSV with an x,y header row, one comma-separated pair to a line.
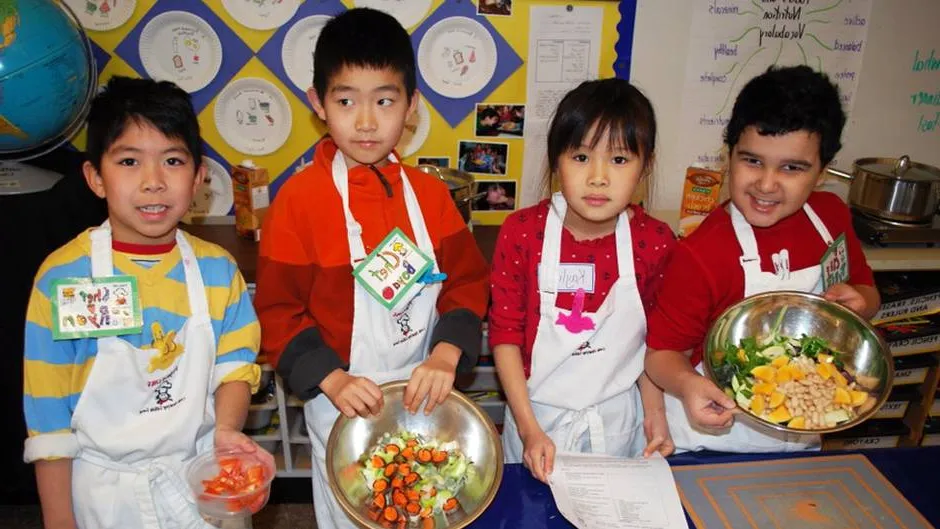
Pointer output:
x,y
797,422
858,397
780,361
824,371
796,373
742,356
823,358
839,378
764,388
758,404
776,399
841,396
784,374
779,415
765,373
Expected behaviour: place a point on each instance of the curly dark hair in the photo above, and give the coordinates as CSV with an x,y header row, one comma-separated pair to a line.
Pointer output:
x,y
784,100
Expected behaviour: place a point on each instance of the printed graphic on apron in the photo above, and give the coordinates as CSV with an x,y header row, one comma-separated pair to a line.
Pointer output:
x,y
167,349
587,349
403,321
163,399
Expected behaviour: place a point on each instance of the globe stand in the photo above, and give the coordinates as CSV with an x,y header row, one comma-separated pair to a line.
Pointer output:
x,y
21,179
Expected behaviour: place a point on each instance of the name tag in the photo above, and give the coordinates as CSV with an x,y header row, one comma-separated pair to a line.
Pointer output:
x,y
95,307
572,276
835,263
391,271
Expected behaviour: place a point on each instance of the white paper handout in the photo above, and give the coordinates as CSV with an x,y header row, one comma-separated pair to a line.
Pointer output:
x,y
457,57
564,51
604,492
407,12
181,47
102,15
261,14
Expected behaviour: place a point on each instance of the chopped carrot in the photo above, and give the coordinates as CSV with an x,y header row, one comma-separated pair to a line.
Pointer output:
x,y
425,512
399,498
413,495
427,523
392,448
439,457
402,523
380,485
379,500
390,514
408,453
412,442
410,479
404,470
374,514
412,508
424,455
397,483
433,492
377,462
450,505
390,469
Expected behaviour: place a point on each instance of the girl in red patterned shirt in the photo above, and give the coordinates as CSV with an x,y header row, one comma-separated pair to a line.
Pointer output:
x,y
571,279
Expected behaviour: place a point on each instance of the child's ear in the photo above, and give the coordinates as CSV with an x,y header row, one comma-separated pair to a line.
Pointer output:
x,y
93,179
413,106
200,175
316,103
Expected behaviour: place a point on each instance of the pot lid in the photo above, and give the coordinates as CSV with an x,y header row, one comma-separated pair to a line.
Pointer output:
x,y
901,168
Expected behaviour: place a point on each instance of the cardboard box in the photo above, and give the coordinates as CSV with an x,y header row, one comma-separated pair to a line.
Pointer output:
x,y
250,184
912,336
700,196
907,295
874,433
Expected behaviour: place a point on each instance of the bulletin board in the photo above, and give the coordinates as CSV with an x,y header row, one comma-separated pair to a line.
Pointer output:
x,y
248,53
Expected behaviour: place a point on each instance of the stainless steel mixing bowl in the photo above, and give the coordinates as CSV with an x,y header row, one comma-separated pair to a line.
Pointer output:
x,y
457,419
866,353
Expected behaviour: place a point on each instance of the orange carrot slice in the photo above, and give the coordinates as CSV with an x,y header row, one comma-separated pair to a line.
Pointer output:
x,y
439,457
390,469
408,453
450,505
412,508
390,514
399,498
424,455
377,462
413,495
411,478
392,448
379,501
380,485
427,523
412,442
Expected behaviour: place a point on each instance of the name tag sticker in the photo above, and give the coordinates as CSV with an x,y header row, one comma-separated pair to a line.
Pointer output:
x,y
393,269
95,307
835,263
574,276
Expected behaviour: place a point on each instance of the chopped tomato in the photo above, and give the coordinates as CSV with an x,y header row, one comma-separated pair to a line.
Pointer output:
x,y
235,480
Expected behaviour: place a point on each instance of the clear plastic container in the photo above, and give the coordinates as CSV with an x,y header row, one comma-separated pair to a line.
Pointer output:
x,y
227,506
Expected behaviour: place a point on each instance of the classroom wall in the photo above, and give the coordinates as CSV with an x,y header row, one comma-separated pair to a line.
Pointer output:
x,y
253,53
889,117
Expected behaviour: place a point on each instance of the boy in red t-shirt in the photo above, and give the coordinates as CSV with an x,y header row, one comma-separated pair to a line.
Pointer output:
x,y
784,129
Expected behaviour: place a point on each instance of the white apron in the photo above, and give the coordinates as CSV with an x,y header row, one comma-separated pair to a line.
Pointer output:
x,y
746,435
583,386
136,429
386,344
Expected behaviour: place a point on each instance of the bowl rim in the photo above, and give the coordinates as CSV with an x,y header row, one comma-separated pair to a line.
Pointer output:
x,y
889,359
214,455
355,513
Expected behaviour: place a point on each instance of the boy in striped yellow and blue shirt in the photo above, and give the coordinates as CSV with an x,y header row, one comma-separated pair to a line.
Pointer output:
x,y
102,413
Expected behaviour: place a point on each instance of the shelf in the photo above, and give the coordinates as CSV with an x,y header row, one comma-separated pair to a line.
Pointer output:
x,y
296,436
271,405
294,402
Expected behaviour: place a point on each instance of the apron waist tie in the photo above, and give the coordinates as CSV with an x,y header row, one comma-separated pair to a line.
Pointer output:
x,y
587,420
151,476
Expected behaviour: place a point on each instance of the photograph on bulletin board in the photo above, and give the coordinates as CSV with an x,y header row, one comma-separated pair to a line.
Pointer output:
x,y
224,46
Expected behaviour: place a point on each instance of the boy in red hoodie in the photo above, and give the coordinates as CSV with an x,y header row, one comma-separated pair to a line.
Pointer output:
x,y
367,273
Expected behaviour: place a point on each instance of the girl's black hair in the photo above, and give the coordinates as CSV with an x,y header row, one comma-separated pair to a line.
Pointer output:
x,y
614,106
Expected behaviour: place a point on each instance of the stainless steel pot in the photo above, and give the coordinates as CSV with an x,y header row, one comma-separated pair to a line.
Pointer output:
x,y
463,187
894,190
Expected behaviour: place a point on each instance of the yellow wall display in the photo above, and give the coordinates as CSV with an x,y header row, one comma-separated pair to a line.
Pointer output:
x,y
443,139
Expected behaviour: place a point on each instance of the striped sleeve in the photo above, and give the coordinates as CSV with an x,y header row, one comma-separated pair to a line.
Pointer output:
x,y
238,333
54,371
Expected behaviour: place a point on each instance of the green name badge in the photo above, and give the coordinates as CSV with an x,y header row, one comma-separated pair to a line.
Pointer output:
x,y
391,271
835,263
95,307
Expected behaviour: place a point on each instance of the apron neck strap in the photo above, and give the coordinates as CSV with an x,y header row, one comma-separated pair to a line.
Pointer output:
x,y
750,256
102,265
357,250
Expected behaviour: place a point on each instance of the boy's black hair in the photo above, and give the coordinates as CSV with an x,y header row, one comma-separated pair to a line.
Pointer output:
x,y
784,100
125,100
614,105
489,112
364,38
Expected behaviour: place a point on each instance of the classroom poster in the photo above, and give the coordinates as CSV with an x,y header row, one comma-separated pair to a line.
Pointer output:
x,y
733,41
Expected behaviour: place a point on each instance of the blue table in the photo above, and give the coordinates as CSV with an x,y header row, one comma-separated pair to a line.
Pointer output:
x,y
524,503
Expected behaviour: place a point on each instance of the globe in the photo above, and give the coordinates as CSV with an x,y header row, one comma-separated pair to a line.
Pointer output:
x,y
47,77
